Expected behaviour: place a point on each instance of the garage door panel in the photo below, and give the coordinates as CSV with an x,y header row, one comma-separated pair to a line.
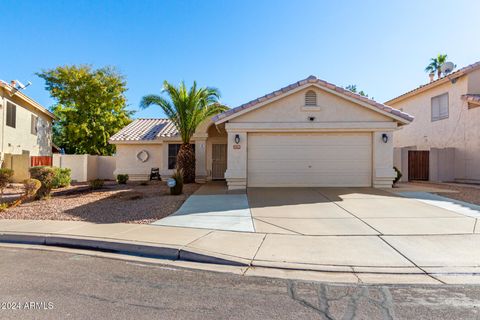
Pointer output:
x,y
306,166
299,138
312,180
322,159
301,153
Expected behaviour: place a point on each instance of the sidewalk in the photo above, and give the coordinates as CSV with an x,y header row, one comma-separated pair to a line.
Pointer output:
x,y
405,259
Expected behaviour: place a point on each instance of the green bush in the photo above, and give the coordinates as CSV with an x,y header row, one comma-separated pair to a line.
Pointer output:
x,y
178,189
398,176
46,176
5,177
62,178
96,184
122,178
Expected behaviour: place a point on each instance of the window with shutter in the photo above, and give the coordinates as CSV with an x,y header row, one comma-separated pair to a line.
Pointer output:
x,y
440,107
11,115
311,98
173,149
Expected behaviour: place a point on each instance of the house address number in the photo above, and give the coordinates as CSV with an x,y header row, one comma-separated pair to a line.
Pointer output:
x,y
236,146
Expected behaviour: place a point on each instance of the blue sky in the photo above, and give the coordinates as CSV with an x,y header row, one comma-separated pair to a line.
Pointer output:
x,y
244,48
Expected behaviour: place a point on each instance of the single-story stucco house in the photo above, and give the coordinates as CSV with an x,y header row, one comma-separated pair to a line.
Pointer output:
x,y
310,133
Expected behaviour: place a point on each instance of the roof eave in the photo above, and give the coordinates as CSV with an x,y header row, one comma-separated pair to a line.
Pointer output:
x,y
455,75
250,106
29,100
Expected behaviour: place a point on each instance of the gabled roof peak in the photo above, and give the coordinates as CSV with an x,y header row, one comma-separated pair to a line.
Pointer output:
x,y
320,83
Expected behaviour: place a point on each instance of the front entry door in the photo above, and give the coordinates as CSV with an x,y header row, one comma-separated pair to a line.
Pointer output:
x,y
219,161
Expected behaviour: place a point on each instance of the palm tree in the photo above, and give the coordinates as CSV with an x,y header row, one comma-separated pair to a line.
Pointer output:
x,y
436,64
186,109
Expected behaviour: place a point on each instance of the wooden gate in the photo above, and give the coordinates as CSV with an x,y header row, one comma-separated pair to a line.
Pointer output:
x,y
40,161
418,165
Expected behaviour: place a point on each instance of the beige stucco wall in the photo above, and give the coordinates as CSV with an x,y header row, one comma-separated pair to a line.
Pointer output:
x,y
460,130
20,139
105,167
128,163
20,164
86,167
288,114
331,108
77,163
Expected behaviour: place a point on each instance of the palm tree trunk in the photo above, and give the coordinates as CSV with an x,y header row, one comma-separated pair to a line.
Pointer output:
x,y
439,73
186,162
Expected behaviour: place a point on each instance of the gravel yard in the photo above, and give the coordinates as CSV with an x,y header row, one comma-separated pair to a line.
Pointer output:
x,y
131,203
465,192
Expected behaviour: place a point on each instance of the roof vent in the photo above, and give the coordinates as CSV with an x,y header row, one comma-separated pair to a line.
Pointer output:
x,y
311,98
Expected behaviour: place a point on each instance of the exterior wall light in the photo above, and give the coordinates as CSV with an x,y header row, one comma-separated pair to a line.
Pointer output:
x,y
385,137
237,138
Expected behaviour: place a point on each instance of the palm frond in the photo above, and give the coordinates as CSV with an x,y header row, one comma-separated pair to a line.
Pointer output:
x,y
187,108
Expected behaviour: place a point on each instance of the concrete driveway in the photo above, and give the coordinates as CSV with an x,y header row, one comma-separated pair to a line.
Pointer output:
x,y
350,212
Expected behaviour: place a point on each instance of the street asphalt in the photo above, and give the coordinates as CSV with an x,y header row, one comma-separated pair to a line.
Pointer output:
x,y
66,285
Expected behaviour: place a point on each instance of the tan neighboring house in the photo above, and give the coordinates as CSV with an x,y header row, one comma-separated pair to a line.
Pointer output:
x,y
25,130
310,133
443,143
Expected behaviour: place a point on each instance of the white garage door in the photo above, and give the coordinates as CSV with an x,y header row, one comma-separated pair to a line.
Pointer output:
x,y
309,160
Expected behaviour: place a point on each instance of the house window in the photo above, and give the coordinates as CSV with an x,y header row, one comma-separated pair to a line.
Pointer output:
x,y
172,154
34,124
11,115
310,98
440,107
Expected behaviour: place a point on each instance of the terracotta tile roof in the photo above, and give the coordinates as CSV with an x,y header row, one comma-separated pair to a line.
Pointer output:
x,y
321,83
456,74
146,130
471,97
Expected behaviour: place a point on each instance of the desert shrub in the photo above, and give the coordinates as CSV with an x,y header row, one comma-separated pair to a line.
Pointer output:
x,y
398,176
178,176
62,178
5,177
122,178
46,176
129,195
31,187
96,184
3,206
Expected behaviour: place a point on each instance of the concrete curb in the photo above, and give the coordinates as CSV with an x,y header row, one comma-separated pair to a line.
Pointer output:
x,y
253,267
125,247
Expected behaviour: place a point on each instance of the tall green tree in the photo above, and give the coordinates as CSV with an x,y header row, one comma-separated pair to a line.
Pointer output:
x,y
435,64
90,106
186,108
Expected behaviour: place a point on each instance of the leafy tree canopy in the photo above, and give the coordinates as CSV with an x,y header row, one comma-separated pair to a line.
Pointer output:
x,y
91,107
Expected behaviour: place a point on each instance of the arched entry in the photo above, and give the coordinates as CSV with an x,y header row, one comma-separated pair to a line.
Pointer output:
x,y
210,152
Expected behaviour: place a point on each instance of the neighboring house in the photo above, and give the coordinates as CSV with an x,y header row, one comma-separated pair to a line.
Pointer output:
x,y
443,143
25,130
310,133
